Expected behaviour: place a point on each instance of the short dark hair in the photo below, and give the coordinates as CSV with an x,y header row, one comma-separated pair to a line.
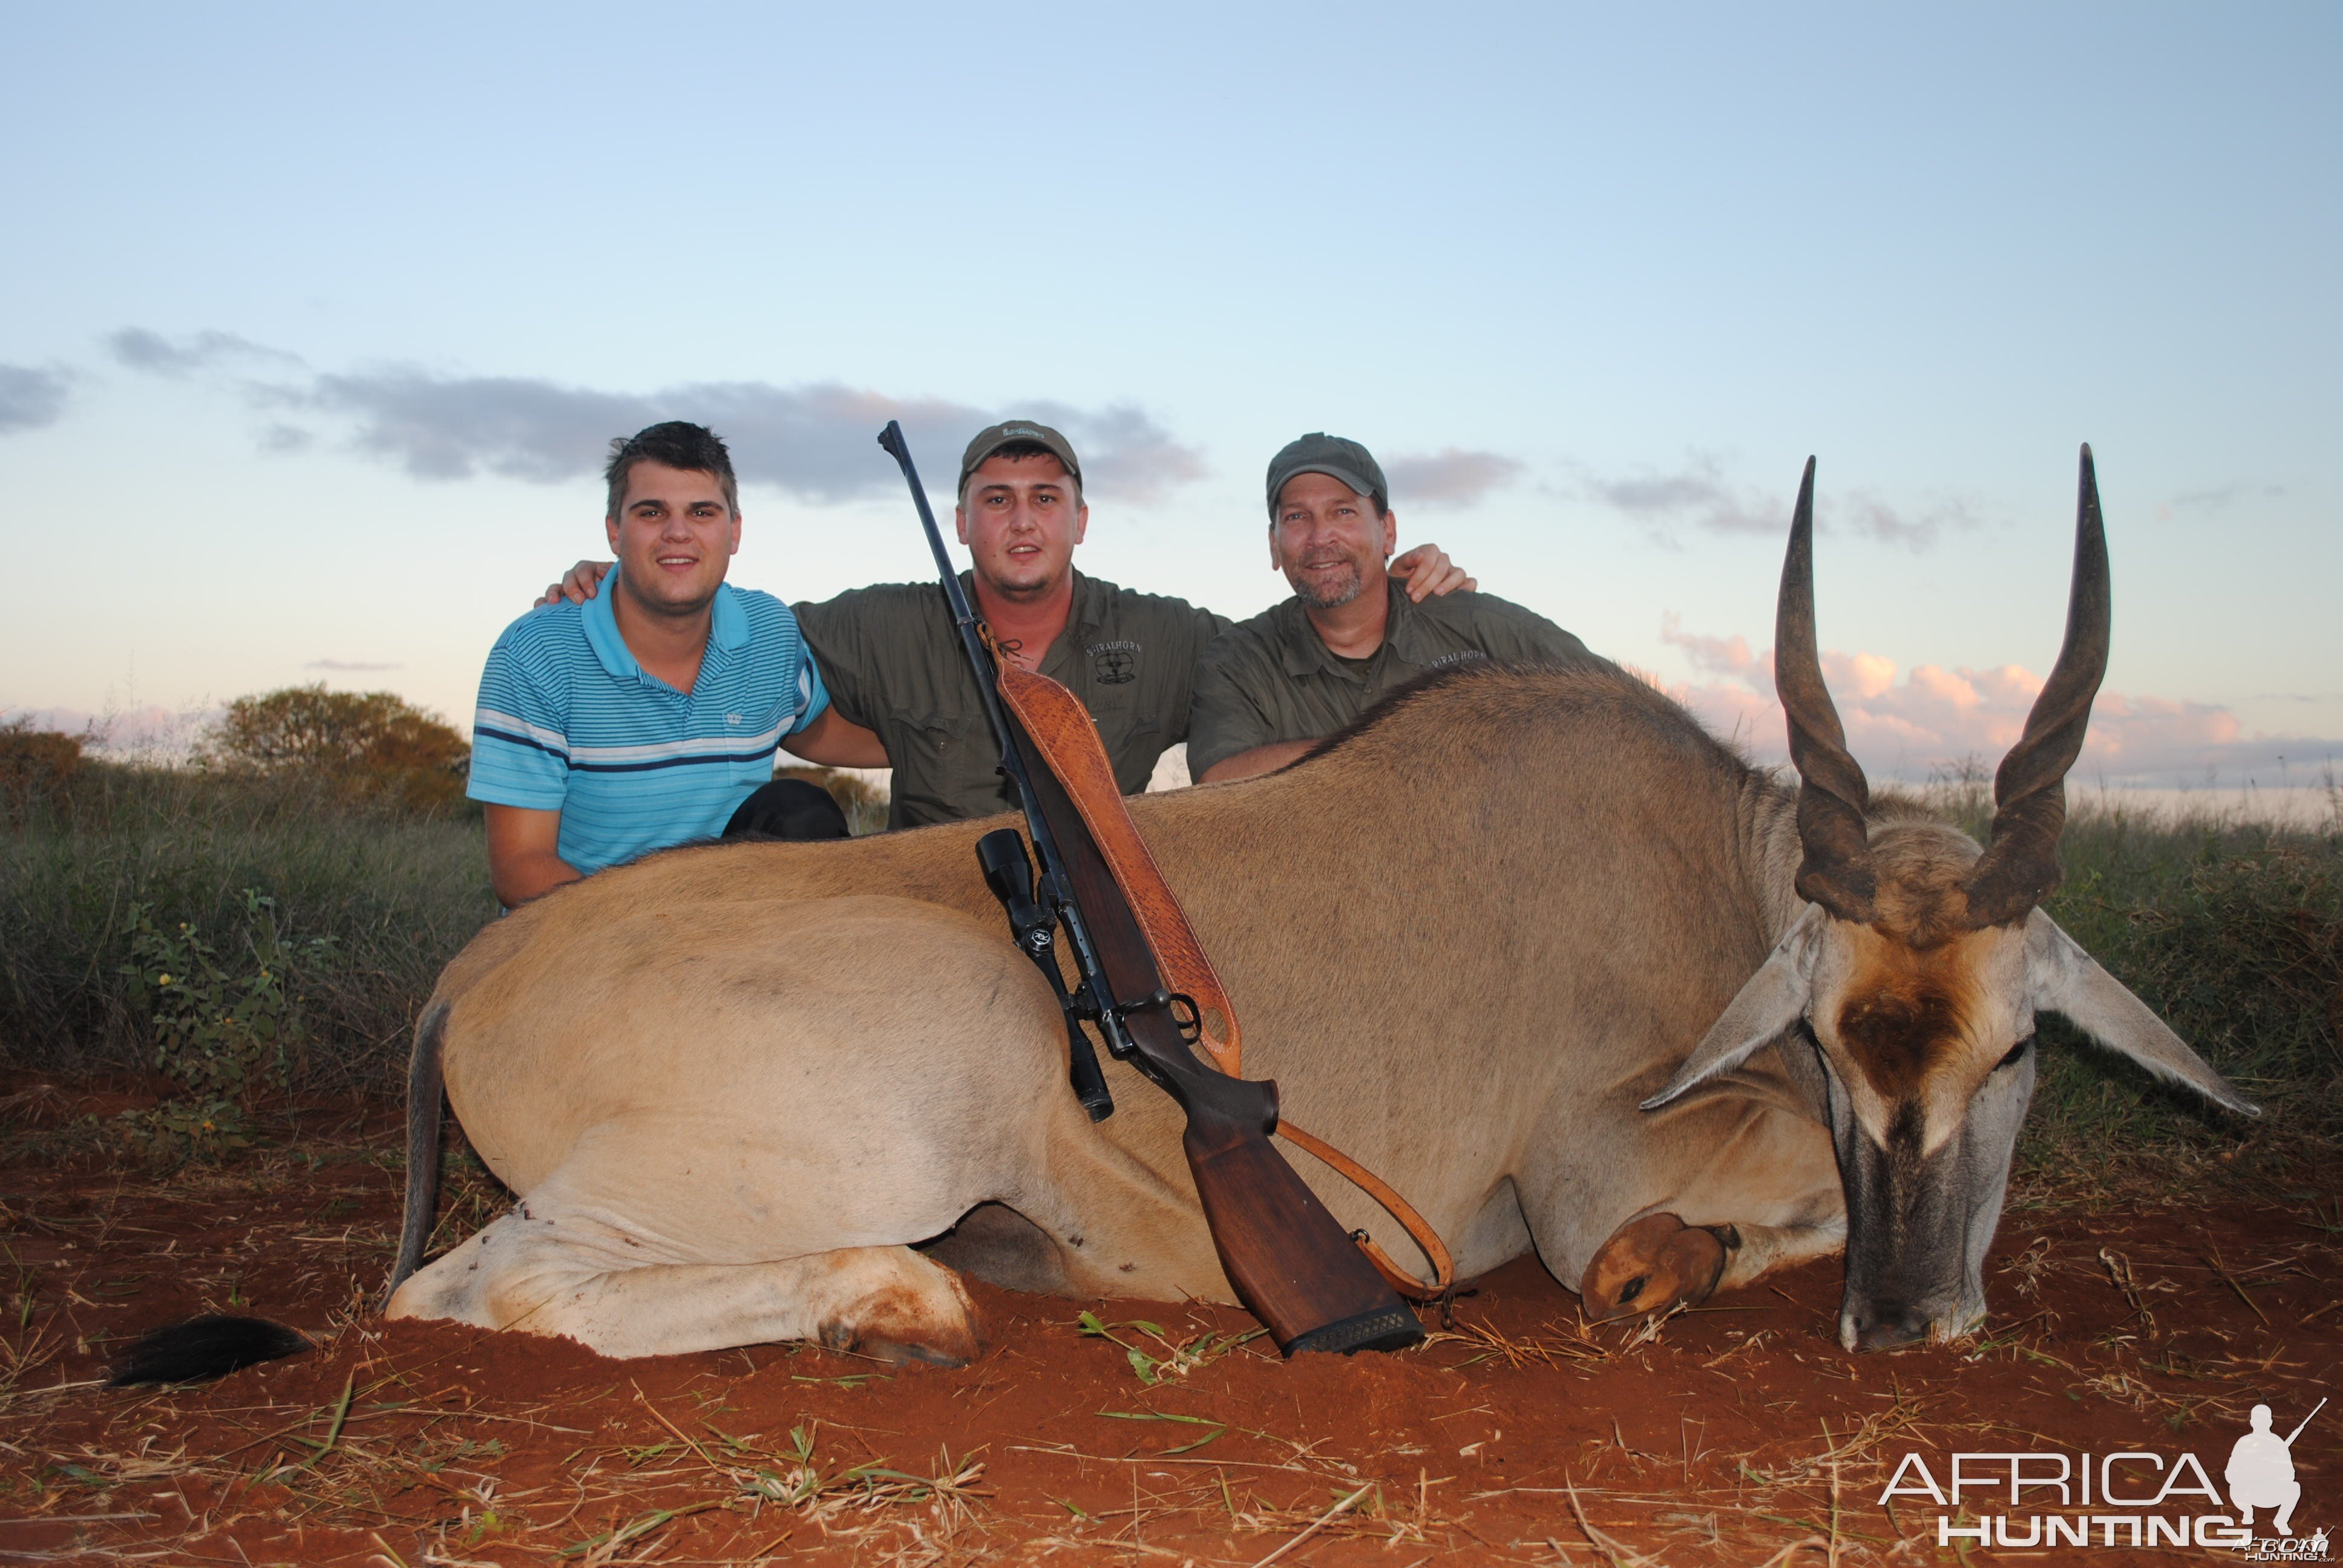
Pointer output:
x,y
678,444
1025,449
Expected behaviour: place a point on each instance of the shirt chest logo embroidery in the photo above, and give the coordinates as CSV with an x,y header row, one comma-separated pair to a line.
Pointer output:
x,y
734,718
1114,663
1466,657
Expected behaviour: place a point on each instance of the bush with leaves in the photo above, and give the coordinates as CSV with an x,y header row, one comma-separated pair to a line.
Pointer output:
x,y
37,766
220,1028
369,745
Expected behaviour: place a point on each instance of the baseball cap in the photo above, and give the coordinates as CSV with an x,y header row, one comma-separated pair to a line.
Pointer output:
x,y
993,437
1319,453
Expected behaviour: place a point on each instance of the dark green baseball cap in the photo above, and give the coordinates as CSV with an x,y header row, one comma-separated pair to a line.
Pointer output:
x,y
1319,453
993,437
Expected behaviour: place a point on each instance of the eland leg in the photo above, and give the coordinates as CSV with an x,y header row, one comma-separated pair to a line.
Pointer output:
x,y
1702,1199
566,1274
1654,1264
1657,1262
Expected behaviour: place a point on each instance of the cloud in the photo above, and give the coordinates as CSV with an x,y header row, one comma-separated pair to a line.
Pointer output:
x,y
1864,512
438,428
347,666
1726,656
1126,455
1698,495
1934,716
30,398
1449,478
2217,499
817,442
141,349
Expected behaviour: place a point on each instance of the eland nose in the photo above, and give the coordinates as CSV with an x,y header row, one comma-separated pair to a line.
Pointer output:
x,y
1887,1325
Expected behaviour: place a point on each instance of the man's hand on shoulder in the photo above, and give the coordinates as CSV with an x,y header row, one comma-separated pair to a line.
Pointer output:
x,y
1425,571
834,741
581,581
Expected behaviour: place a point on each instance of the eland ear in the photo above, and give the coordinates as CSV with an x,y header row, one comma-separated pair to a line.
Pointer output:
x,y
2069,981
1772,999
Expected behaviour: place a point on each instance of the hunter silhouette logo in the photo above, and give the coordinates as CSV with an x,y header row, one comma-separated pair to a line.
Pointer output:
x,y
2261,1472
2125,1498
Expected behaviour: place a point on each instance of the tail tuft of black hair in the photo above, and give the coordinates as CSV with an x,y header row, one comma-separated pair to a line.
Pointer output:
x,y
204,1348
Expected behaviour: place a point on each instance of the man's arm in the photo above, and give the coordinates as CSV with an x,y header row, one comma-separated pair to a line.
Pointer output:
x,y
524,857
1227,721
834,741
1261,759
1425,572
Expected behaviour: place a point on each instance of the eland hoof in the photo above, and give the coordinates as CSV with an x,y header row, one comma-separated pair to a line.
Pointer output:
x,y
926,1319
1654,1264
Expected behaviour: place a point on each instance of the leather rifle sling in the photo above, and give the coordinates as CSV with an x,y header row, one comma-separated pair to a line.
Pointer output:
x,y
1067,738
1419,1230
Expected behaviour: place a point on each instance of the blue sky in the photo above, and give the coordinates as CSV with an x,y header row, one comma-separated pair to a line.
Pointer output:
x,y
320,318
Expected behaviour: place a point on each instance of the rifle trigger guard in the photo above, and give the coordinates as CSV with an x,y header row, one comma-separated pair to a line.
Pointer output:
x,y
1182,1007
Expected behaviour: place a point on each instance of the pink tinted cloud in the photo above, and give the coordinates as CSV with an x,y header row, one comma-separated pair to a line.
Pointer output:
x,y
1934,716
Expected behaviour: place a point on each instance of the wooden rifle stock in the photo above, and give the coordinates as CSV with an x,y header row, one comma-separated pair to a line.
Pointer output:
x,y
1290,1263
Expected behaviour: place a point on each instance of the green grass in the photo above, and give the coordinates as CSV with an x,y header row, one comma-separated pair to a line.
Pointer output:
x,y
397,895
393,894
2233,931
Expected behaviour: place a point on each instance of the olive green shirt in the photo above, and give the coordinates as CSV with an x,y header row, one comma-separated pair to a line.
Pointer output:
x,y
893,663
1272,677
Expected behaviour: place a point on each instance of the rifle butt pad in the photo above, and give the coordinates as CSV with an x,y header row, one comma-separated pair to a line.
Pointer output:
x,y
1292,1265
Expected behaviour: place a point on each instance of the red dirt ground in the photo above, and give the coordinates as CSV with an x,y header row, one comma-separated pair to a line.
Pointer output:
x,y
1737,1434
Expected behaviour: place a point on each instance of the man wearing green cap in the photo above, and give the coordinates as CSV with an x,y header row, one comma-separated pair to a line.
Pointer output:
x,y
1272,687
891,659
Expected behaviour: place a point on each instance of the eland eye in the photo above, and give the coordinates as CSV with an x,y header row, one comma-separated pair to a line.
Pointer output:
x,y
2020,1048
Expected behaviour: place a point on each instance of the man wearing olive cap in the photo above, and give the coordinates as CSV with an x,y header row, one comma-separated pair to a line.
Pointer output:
x,y
1272,687
892,662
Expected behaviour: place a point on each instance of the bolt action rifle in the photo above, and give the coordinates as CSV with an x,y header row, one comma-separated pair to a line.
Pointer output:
x,y
1289,1262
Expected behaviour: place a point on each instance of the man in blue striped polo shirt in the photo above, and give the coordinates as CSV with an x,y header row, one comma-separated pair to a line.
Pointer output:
x,y
651,716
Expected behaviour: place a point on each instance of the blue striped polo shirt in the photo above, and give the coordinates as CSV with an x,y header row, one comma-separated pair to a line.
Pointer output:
x,y
569,722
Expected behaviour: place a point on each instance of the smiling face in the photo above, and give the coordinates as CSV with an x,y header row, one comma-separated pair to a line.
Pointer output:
x,y
675,536
1021,519
1328,541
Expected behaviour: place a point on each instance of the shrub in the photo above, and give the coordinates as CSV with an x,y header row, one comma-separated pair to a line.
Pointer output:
x,y
370,745
35,766
220,1028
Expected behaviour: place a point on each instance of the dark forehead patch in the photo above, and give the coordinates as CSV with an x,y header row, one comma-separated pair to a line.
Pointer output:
x,y
1897,1031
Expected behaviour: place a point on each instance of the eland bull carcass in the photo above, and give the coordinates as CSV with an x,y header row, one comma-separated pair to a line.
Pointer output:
x,y
1530,943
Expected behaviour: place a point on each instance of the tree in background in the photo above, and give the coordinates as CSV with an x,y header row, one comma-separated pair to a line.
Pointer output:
x,y
35,765
369,745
